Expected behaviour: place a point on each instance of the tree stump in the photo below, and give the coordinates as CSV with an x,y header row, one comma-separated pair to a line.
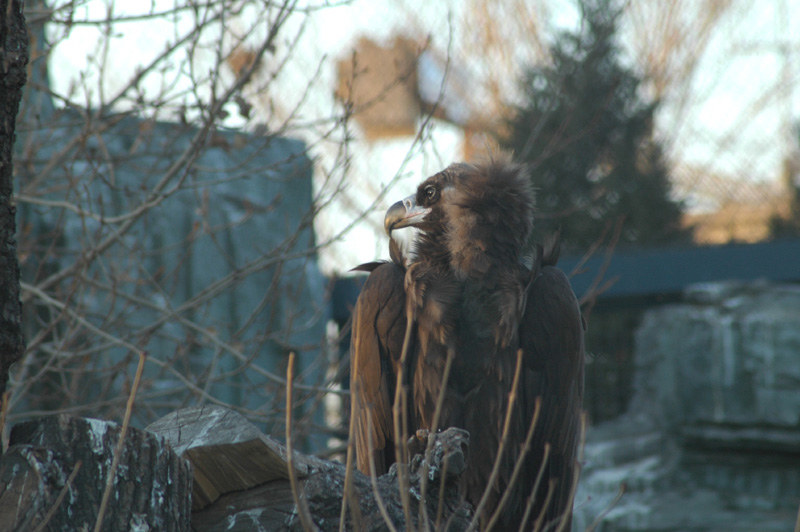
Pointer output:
x,y
227,452
242,480
55,472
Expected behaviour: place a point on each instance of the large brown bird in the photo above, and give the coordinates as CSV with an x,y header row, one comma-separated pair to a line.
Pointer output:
x,y
467,291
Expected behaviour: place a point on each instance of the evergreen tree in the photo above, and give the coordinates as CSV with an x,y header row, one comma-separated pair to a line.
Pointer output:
x,y
588,136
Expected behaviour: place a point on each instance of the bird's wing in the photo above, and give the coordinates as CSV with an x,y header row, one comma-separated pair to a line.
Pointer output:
x,y
379,325
551,336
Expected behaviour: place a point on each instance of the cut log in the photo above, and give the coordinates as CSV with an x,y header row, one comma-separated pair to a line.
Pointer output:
x,y
241,478
227,452
151,489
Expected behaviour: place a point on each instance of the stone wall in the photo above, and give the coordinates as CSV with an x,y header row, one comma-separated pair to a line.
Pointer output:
x,y
711,440
214,275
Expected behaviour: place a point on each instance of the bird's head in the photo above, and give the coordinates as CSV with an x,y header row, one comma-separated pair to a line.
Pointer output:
x,y
482,214
425,208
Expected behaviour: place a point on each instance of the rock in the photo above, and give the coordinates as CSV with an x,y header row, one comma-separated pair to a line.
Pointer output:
x,y
728,361
711,440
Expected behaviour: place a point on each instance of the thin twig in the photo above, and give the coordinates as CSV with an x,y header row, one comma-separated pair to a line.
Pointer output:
x,y
3,412
398,406
423,487
576,475
551,488
612,504
348,471
797,523
182,164
52,511
512,397
518,466
112,472
589,298
440,505
300,503
532,496
373,477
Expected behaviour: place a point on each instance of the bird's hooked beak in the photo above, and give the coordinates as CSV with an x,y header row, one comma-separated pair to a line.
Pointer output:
x,y
404,213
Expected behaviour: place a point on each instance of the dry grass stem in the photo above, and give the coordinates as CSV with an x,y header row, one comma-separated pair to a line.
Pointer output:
x,y
551,488
3,412
440,504
577,473
429,446
517,466
349,463
797,523
532,496
512,397
611,505
398,420
112,471
299,501
373,477
52,511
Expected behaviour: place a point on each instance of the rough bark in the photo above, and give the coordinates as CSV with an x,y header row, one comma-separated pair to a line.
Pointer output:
x,y
13,58
242,480
151,489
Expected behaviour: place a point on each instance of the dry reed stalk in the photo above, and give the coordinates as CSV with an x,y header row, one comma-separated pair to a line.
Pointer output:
x,y
373,477
300,503
512,397
112,472
52,511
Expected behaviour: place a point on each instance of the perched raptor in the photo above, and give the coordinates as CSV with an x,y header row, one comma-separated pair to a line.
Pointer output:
x,y
466,290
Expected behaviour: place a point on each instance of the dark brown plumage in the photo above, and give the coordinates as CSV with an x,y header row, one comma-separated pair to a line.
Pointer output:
x,y
466,289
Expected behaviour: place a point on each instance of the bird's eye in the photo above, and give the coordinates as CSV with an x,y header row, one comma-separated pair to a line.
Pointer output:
x,y
431,192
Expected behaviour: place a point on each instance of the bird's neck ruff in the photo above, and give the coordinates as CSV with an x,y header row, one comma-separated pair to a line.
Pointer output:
x,y
432,250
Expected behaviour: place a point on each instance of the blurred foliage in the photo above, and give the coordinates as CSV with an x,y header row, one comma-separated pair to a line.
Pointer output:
x,y
588,136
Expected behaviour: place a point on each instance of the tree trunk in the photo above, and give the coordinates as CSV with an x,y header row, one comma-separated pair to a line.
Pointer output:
x,y
55,472
13,58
